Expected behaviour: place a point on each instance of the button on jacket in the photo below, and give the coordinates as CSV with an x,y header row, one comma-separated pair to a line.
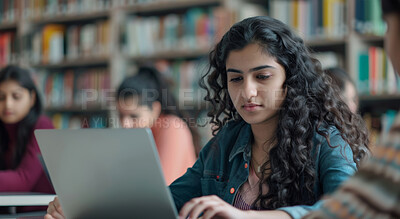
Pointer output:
x,y
222,167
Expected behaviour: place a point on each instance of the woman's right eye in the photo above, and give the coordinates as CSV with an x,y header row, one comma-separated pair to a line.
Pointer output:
x,y
236,79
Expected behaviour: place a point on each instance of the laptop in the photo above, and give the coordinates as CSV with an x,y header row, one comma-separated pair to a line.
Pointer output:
x,y
106,173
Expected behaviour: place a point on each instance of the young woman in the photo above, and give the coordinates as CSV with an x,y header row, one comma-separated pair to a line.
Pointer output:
x,y
283,136
20,115
144,100
346,86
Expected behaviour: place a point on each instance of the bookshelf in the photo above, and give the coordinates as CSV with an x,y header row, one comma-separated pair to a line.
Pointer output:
x,y
350,31
65,41
174,35
8,33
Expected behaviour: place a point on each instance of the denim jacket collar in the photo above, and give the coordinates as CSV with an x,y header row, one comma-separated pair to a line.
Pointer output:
x,y
242,144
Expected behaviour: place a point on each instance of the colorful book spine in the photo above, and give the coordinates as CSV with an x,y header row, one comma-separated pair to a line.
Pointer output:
x,y
76,89
198,28
368,17
375,73
7,48
313,18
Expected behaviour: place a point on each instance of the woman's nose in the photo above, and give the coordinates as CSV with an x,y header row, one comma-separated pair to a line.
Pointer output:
x,y
249,90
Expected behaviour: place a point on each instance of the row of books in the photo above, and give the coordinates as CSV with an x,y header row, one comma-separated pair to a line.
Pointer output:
x,y
76,121
55,42
198,28
185,76
312,18
78,89
36,9
7,48
379,125
368,17
376,74
9,11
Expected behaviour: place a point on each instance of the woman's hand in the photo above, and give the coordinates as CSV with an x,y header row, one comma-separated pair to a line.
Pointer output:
x,y
54,210
211,207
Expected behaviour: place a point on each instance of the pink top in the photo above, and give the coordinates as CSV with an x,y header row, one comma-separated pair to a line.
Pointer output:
x,y
175,146
29,176
248,192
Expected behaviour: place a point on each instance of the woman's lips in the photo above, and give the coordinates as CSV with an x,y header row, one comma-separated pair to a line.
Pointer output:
x,y
251,107
7,113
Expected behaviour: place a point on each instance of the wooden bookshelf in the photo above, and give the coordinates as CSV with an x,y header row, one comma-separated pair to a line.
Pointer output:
x,y
383,97
83,62
167,6
70,18
371,38
379,104
116,15
8,26
171,55
327,42
346,43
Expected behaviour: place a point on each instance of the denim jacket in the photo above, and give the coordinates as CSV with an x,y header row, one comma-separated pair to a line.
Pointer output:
x,y
222,167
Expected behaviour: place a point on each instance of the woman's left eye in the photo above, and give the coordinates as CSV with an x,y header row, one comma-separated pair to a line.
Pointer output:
x,y
263,76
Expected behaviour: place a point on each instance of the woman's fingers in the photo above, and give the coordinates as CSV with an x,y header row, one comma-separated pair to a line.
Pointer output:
x,y
57,206
212,211
48,216
54,210
196,206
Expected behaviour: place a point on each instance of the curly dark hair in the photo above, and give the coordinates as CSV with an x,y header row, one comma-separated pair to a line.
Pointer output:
x,y
310,104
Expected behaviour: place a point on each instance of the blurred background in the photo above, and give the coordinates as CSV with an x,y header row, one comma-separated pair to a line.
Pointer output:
x,y
80,50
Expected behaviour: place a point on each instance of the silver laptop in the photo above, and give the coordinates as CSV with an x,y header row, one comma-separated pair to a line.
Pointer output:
x,y
106,173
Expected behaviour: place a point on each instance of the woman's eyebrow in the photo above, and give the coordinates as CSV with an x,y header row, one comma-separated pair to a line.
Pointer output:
x,y
251,70
233,70
261,67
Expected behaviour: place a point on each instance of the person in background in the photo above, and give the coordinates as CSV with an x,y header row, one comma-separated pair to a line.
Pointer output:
x,y
20,114
374,192
144,100
283,136
346,87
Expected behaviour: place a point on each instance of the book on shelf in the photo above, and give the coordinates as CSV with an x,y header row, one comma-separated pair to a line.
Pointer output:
x,y
78,120
9,11
25,199
197,28
52,44
379,124
7,48
314,18
39,9
368,17
185,75
55,43
82,88
376,75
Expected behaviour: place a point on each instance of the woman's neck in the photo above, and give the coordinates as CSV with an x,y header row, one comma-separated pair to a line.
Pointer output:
x,y
264,138
264,134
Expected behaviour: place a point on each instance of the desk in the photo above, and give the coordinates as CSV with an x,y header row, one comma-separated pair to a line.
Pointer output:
x,y
25,199
14,199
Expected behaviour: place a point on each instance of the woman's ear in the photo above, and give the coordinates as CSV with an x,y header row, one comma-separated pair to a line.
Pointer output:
x,y
156,105
33,98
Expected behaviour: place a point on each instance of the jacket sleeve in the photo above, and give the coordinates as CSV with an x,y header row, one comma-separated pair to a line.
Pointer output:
x,y
335,165
189,186
26,175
